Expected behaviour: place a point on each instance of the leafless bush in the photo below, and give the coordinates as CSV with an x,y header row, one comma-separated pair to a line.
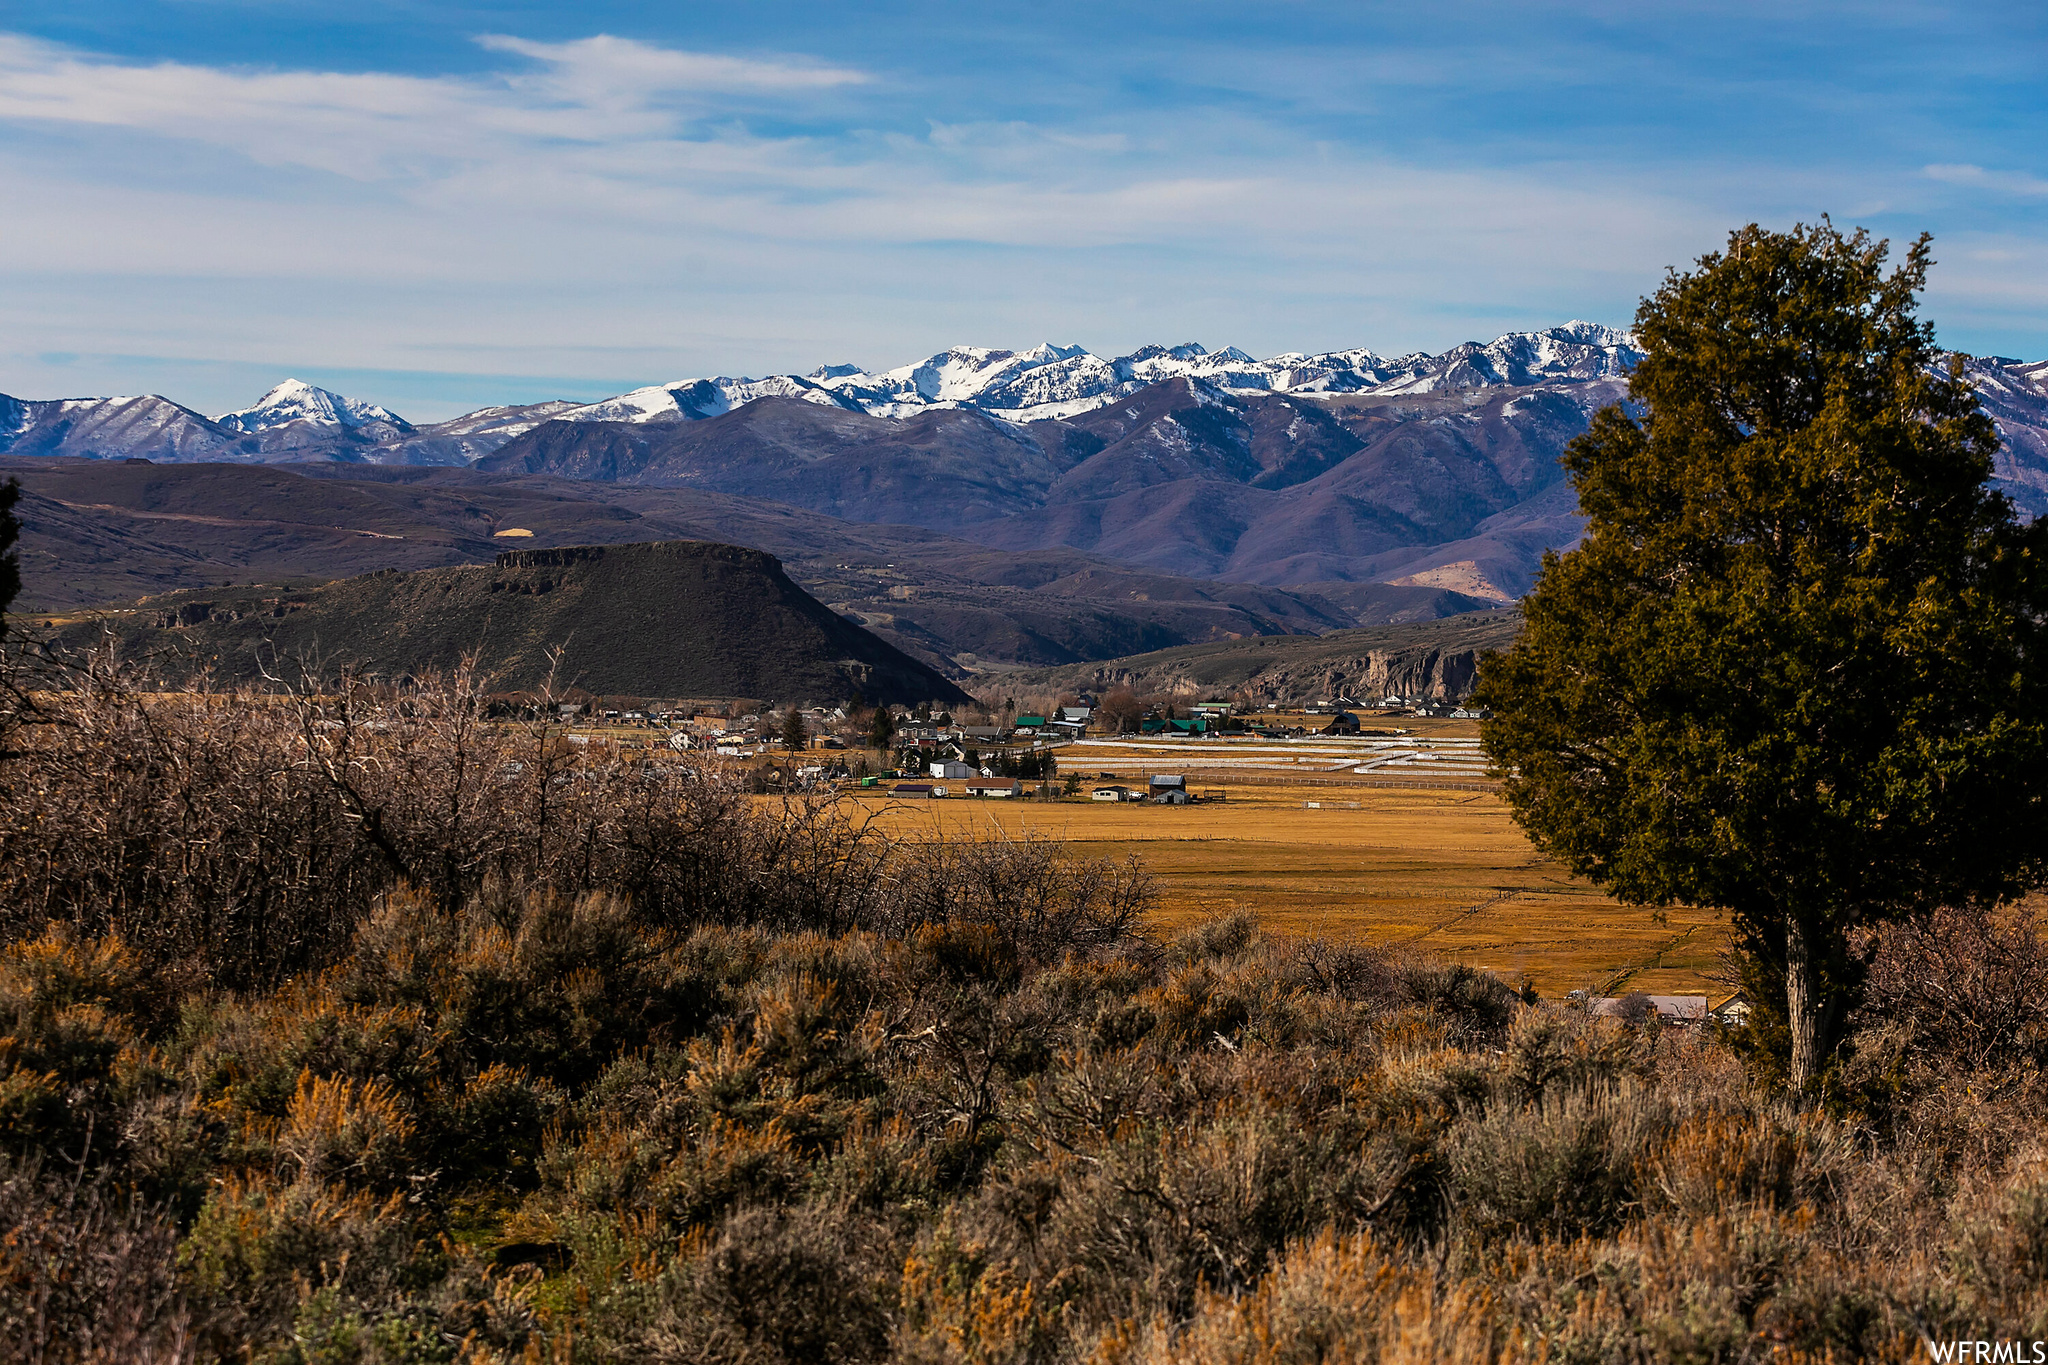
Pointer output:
x,y
247,832
191,825
85,1274
1030,890
1972,986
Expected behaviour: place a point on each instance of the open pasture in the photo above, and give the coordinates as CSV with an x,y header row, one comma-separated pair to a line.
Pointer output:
x,y
1446,871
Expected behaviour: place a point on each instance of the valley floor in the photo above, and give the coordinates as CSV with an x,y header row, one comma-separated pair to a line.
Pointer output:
x,y
1446,871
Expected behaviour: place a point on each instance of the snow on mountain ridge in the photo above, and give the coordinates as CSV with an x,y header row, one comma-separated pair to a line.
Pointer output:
x,y
1054,381
297,401
691,400
1047,381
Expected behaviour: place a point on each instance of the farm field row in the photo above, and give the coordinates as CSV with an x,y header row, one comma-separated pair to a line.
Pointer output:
x,y
1446,871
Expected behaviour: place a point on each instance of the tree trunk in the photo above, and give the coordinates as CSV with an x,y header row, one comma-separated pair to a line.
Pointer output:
x,y
1802,1008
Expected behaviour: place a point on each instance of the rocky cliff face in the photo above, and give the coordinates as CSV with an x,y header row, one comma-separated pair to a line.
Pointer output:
x,y
1437,659
1445,674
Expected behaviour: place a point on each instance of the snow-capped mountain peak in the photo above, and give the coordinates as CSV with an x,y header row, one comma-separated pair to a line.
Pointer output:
x,y
297,401
1055,381
691,400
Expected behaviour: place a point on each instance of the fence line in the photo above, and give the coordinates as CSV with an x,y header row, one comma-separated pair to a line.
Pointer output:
x,y
1262,780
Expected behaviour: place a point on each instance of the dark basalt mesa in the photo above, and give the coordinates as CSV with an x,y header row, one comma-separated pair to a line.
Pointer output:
x,y
664,619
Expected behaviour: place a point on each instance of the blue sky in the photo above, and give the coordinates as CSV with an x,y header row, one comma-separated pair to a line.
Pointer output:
x,y
438,206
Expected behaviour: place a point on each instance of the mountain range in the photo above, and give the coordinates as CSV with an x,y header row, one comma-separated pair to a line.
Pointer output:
x,y
1325,475
296,420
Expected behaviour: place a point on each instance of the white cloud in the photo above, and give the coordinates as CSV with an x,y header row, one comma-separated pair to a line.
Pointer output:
x,y
596,92
591,70
610,207
1976,177
590,144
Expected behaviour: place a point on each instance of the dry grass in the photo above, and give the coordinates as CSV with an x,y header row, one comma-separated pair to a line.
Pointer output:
x,y
1446,871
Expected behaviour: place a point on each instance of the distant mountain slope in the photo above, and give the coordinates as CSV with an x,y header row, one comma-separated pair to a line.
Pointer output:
x,y
1180,478
118,428
99,533
293,422
1429,472
939,469
1427,658
665,619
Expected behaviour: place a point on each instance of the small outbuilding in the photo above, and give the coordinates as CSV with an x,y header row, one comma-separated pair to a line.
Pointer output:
x,y
995,786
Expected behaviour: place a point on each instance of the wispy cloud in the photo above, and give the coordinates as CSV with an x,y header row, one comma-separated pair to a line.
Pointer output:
x,y
602,68
614,206
594,137
596,92
2000,182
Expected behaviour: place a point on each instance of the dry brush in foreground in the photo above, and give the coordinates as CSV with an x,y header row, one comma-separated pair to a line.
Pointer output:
x,y
315,1049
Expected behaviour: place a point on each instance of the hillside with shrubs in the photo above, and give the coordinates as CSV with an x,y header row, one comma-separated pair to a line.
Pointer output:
x,y
344,1024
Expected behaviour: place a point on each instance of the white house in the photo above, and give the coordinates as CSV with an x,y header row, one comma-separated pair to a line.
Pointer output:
x,y
995,786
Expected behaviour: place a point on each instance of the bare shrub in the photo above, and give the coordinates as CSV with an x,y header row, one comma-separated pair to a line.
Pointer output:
x,y
190,825
1972,985
86,1275
1031,890
247,833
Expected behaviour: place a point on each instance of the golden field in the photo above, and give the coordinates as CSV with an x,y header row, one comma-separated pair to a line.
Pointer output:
x,y
1446,871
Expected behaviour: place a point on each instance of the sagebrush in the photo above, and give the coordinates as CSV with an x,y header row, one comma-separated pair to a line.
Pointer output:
x,y
515,1088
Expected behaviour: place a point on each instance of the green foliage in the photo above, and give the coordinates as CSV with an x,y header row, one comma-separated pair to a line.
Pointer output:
x,y
1796,668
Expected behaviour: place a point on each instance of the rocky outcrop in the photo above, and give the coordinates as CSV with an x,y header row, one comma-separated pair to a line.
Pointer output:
x,y
1437,659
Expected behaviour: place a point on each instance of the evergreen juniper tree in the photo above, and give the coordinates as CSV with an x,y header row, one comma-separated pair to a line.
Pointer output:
x,y
1794,670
